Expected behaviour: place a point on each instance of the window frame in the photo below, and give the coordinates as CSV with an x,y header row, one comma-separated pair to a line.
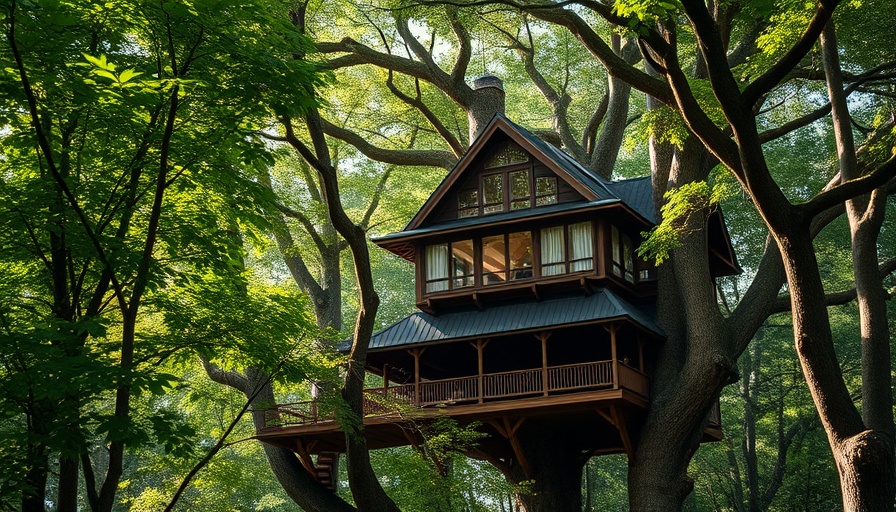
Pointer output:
x,y
509,275
450,276
567,241
622,247
480,207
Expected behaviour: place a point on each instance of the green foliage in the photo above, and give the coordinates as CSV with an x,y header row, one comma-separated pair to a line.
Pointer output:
x,y
681,206
148,113
642,14
664,124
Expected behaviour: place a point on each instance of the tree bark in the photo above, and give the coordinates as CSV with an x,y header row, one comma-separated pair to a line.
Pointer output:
x,y
551,476
609,141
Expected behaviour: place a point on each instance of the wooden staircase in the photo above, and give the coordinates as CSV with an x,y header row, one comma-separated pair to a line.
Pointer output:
x,y
327,469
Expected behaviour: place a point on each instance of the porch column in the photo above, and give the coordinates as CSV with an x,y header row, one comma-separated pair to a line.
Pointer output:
x,y
641,354
480,346
385,379
612,329
543,337
416,353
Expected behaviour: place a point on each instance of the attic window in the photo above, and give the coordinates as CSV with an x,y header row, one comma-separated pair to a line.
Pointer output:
x,y
545,191
513,189
509,154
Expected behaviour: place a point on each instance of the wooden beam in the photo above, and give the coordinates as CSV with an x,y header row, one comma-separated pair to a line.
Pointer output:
x,y
535,292
416,353
586,286
305,458
543,338
516,446
619,421
641,355
479,345
612,329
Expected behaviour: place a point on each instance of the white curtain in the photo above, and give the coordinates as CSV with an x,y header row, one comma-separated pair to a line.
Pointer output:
x,y
580,247
436,267
552,262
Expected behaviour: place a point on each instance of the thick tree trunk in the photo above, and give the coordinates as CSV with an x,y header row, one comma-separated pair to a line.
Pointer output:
x,y
695,363
865,214
67,493
551,476
34,498
292,476
864,457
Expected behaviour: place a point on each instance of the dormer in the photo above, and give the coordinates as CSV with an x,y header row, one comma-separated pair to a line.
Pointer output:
x,y
519,218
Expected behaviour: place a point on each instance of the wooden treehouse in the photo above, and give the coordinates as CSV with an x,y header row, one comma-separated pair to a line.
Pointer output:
x,y
533,307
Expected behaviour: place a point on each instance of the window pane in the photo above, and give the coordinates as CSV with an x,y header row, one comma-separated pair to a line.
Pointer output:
x,y
629,260
462,256
467,199
493,189
519,185
493,260
520,205
545,186
545,200
581,248
469,212
552,260
436,267
616,252
520,253
509,154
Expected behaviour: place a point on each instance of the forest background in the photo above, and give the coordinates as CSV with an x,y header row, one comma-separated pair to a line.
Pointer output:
x,y
188,187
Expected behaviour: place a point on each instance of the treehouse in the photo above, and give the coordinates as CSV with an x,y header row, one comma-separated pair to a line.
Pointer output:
x,y
533,307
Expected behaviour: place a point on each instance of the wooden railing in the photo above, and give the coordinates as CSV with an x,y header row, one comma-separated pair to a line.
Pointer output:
x,y
491,386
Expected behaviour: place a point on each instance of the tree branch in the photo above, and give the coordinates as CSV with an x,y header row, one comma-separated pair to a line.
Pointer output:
x,y
417,102
422,157
779,70
782,303
850,189
230,379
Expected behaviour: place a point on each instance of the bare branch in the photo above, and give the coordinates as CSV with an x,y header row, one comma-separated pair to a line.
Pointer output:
x,y
782,304
417,102
423,157
232,379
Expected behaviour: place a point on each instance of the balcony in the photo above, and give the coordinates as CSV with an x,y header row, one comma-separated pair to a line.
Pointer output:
x,y
557,384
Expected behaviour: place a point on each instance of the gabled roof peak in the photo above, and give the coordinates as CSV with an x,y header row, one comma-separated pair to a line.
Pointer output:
x,y
586,183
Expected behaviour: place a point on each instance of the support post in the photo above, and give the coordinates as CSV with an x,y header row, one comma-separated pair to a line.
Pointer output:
x,y
612,329
386,380
416,353
641,355
480,346
543,337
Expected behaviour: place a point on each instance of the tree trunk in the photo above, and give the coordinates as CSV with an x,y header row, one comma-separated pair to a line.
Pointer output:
x,y
551,477
67,493
603,160
695,363
34,498
864,457
286,466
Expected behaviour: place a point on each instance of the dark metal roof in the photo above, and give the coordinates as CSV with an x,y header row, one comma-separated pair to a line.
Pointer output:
x,y
505,319
493,218
638,194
